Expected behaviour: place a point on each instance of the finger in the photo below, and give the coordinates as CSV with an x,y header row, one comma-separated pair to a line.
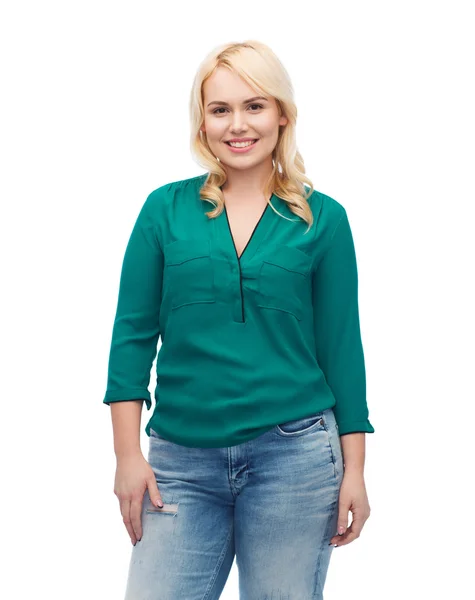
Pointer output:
x,y
342,524
357,524
356,527
125,511
154,493
349,536
135,512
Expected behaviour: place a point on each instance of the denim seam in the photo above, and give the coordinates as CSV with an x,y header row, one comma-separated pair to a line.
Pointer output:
x,y
323,548
219,565
331,447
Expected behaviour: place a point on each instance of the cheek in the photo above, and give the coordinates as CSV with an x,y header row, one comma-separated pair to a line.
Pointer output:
x,y
268,129
214,131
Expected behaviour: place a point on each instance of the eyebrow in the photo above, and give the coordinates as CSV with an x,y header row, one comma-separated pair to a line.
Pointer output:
x,y
244,101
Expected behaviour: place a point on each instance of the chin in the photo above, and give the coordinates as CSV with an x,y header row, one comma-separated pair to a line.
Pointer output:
x,y
240,165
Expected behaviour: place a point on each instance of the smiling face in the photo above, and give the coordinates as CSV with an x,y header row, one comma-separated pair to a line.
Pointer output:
x,y
234,110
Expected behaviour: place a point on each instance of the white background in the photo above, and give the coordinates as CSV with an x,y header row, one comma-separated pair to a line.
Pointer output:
x,y
94,112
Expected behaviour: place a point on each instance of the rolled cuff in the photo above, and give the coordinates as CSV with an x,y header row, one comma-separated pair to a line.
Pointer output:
x,y
355,426
129,394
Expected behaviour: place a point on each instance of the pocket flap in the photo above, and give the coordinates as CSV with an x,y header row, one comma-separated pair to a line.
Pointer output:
x,y
181,251
290,258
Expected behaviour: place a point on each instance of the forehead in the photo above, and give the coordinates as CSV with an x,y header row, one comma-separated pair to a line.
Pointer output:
x,y
226,86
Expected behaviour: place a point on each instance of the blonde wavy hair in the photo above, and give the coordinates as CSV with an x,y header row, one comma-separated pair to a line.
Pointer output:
x,y
262,70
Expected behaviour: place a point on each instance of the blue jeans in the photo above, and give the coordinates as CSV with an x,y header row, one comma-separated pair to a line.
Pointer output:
x,y
272,502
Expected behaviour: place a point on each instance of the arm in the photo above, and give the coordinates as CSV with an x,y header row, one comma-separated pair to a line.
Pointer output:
x,y
338,341
136,330
126,427
340,355
353,449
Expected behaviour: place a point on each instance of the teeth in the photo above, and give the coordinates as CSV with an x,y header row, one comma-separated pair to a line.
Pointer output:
x,y
241,144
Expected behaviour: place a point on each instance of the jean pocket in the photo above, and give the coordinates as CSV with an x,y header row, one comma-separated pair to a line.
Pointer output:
x,y
297,427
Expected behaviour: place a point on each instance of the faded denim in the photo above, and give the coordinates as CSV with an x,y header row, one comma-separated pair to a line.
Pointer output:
x,y
271,502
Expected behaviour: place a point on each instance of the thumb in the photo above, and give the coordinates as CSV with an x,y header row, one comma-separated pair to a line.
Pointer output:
x,y
154,493
342,521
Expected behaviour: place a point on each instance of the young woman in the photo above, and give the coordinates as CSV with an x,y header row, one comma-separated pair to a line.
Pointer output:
x,y
249,277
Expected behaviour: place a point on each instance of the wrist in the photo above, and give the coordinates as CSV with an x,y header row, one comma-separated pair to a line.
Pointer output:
x,y
128,453
357,470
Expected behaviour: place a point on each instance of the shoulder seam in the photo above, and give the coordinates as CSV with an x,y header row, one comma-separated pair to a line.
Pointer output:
x,y
336,227
330,243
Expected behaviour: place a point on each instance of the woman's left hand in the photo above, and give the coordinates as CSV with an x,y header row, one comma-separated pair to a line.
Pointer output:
x,y
352,498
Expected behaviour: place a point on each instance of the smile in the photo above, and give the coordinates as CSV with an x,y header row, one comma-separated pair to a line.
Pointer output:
x,y
244,148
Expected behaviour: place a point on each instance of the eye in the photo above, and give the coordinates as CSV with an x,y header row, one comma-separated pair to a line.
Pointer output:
x,y
215,112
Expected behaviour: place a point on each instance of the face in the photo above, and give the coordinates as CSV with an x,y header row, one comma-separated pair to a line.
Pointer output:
x,y
232,110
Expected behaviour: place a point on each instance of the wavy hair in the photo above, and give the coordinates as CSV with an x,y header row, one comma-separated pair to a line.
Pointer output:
x,y
262,70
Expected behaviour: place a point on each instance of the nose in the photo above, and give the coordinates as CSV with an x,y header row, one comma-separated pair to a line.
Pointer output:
x,y
238,123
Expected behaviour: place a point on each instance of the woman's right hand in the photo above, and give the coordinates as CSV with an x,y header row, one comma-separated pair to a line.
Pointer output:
x,y
133,476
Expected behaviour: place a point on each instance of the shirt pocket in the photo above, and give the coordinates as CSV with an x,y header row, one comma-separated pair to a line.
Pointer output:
x,y
283,280
189,274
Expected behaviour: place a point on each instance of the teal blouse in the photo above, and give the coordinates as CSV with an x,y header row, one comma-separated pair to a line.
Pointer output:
x,y
246,343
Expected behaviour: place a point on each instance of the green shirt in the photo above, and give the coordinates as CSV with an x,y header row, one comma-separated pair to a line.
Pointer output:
x,y
246,343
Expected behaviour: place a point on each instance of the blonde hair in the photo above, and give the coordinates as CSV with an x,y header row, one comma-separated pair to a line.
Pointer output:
x,y
262,70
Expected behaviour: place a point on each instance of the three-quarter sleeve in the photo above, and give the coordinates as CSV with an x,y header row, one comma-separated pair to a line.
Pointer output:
x,y
136,326
337,330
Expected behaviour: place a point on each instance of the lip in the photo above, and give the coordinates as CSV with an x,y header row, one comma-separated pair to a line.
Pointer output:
x,y
242,150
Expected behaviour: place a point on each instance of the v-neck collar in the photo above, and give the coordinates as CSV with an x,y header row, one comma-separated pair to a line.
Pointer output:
x,y
257,236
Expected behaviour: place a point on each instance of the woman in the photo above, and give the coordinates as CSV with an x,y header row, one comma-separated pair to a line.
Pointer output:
x,y
260,375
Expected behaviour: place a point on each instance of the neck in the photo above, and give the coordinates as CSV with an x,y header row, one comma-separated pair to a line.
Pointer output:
x,y
247,184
